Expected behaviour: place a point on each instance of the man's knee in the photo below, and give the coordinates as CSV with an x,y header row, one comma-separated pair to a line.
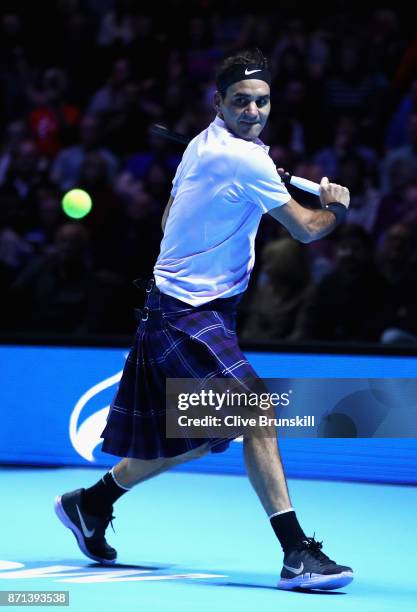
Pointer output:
x,y
196,453
140,466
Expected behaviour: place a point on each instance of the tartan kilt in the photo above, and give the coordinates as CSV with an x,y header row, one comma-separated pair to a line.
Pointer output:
x,y
176,341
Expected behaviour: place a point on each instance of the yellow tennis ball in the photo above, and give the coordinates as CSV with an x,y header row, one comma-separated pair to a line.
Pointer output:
x,y
76,203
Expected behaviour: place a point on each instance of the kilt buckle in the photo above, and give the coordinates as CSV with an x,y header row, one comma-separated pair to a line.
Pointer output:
x,y
145,314
142,283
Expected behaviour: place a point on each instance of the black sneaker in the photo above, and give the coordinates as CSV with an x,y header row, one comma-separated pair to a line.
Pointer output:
x,y
88,530
306,567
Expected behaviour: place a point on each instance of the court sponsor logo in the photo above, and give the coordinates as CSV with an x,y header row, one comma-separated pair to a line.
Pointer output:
x,y
12,570
85,437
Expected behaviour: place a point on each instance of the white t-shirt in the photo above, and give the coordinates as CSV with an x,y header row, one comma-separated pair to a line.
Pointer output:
x,y
221,189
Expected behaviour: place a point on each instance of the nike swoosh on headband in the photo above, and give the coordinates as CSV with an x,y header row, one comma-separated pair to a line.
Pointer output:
x,y
248,72
87,532
295,570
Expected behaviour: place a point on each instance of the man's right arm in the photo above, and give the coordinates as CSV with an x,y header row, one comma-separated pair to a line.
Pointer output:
x,y
306,225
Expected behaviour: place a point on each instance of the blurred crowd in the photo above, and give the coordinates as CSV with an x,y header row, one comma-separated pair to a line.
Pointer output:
x,y
81,83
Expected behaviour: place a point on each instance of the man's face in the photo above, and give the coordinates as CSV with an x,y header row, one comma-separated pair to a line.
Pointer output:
x,y
245,107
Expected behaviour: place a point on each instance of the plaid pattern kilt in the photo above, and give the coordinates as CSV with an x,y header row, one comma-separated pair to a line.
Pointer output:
x,y
176,341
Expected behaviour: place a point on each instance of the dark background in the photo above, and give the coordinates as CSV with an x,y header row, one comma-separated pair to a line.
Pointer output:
x,y
81,82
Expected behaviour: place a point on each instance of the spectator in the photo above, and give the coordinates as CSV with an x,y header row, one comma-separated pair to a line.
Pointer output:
x,y
346,304
352,90
365,198
118,69
105,213
290,66
110,98
138,235
25,169
275,303
66,168
125,131
346,143
398,265
290,126
13,68
399,206
15,252
396,134
200,56
24,175
118,27
401,163
58,292
15,133
53,120
48,217
157,151
384,41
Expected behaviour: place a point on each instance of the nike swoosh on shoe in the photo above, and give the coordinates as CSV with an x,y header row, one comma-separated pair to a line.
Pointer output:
x,y
295,570
87,532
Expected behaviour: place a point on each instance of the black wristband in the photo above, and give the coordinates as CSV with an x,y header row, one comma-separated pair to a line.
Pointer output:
x,y
339,210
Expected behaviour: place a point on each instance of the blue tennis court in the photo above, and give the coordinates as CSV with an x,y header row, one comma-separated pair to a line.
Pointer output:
x,y
197,538
195,541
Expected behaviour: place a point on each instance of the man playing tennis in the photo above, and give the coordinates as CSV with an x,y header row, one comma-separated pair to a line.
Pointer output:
x,y
224,184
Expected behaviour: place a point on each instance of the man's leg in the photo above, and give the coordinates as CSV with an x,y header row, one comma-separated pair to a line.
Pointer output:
x,y
98,500
305,566
130,472
87,512
265,471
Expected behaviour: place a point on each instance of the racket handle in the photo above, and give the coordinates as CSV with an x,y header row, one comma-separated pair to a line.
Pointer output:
x,y
305,185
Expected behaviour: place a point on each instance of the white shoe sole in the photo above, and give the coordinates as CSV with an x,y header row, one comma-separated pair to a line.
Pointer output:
x,y
316,581
65,519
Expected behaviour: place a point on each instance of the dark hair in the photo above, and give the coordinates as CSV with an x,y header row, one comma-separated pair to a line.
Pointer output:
x,y
242,58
